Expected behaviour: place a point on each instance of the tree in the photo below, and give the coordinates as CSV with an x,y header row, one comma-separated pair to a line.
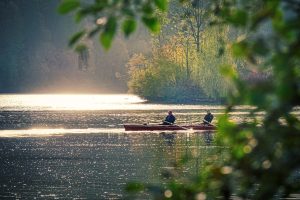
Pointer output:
x,y
161,77
195,13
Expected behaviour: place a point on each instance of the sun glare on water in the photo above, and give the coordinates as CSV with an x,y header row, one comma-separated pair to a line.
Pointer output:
x,y
68,102
44,102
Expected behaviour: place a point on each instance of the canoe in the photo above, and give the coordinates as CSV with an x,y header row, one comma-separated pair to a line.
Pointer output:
x,y
157,127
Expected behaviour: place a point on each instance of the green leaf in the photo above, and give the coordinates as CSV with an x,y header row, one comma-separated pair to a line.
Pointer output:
x,y
129,26
240,49
228,71
128,12
152,23
106,39
109,32
80,48
76,37
68,5
260,47
161,4
134,187
238,17
148,9
80,14
94,31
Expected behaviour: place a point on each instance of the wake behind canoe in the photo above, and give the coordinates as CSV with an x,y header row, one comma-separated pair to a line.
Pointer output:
x,y
157,127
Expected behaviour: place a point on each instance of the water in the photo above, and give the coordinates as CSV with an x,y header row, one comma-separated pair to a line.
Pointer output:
x,y
75,146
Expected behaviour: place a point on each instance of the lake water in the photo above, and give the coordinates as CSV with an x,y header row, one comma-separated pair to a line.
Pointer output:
x,y
75,146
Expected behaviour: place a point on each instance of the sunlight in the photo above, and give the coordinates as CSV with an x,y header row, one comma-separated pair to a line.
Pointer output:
x,y
42,102
47,132
70,101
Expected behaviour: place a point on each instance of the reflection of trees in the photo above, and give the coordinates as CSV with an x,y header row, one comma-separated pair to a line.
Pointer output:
x,y
167,149
208,137
169,138
83,57
196,146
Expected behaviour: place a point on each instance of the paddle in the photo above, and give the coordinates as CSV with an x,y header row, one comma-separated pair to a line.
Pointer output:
x,y
176,125
208,122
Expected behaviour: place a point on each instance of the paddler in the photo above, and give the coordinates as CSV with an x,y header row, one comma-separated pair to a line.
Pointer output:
x,y
208,118
170,119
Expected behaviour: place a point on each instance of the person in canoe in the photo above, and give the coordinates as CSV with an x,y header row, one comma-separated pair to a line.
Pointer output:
x,y
170,119
208,118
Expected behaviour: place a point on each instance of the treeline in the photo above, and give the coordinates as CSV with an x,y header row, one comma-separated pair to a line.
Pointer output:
x,y
185,59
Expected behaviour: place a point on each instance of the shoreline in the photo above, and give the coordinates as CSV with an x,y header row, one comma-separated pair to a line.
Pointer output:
x,y
188,102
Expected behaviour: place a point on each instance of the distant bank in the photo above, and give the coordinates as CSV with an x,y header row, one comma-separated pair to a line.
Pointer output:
x,y
209,101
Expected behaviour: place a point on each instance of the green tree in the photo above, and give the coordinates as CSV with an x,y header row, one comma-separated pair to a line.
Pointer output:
x,y
161,77
210,62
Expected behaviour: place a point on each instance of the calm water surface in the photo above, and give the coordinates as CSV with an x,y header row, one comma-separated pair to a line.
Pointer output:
x,y
75,146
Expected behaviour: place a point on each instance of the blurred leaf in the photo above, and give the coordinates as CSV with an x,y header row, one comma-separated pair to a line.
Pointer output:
x,y
152,23
134,187
147,9
106,39
109,32
128,12
81,14
228,71
224,125
259,17
89,10
161,4
238,151
68,5
156,190
240,49
94,31
80,48
238,17
260,47
129,26
74,39
256,97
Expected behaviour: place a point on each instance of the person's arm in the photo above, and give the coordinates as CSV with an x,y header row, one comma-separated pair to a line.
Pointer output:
x,y
206,117
174,118
211,118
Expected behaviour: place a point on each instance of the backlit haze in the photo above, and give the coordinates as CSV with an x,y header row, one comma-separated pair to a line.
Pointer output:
x,y
30,102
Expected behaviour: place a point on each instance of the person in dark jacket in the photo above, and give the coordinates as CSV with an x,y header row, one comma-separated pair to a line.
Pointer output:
x,y
208,118
170,119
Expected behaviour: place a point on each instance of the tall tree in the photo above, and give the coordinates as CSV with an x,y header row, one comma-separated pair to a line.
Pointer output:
x,y
196,14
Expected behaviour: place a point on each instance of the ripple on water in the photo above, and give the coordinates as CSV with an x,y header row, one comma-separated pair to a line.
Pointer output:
x,y
85,165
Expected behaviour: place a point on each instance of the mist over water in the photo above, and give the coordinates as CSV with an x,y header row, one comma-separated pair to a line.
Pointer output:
x,y
84,102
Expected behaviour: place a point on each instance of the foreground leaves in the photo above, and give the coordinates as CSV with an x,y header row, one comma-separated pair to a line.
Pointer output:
x,y
125,12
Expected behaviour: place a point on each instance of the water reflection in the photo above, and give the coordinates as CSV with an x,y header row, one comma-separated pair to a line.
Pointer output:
x,y
92,166
208,137
50,151
169,138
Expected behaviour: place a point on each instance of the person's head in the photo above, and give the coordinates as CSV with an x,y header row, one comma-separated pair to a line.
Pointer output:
x,y
208,111
170,112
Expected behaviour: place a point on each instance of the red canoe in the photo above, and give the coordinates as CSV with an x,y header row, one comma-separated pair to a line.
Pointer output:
x,y
156,127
